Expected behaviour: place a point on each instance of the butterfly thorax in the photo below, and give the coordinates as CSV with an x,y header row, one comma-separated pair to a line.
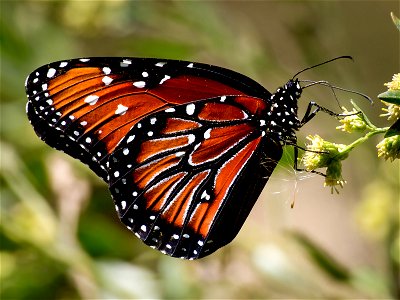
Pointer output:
x,y
281,120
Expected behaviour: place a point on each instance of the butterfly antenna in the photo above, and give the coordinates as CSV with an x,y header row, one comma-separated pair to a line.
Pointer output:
x,y
323,63
333,88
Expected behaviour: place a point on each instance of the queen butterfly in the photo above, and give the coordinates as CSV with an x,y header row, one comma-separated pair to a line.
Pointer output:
x,y
186,148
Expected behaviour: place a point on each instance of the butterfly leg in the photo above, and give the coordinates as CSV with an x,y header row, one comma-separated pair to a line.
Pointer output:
x,y
313,108
296,157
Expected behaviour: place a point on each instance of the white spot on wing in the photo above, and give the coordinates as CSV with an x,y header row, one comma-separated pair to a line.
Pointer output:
x,y
125,63
91,99
191,138
51,72
160,64
205,195
171,109
106,70
190,65
207,134
139,84
121,109
63,64
107,80
130,139
84,59
190,109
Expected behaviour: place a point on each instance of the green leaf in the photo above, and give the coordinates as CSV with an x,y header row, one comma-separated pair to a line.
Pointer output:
x,y
396,20
326,262
390,96
393,130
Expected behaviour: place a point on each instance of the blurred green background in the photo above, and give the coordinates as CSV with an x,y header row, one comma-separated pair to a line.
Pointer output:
x,y
60,235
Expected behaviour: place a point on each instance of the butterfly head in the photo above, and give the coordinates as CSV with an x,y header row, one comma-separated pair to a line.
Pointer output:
x,y
282,116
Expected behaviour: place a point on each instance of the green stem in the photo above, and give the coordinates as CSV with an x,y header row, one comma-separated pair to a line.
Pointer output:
x,y
361,140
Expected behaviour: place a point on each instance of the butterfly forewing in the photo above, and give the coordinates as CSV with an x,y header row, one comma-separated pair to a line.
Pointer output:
x,y
93,103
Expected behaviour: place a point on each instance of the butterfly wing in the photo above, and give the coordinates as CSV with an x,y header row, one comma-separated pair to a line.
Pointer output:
x,y
184,179
193,175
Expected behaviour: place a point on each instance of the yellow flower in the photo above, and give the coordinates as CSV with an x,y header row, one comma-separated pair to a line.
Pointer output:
x,y
395,83
389,148
323,154
392,111
334,176
353,122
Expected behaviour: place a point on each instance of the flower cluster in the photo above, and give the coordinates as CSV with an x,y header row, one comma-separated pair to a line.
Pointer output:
x,y
391,98
392,111
389,148
323,154
395,83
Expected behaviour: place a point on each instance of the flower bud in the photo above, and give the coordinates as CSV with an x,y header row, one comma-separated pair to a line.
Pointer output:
x,y
353,122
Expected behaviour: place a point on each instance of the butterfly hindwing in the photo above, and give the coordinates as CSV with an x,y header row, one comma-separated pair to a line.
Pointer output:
x,y
185,179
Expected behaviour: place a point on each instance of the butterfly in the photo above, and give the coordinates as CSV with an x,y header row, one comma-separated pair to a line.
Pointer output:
x,y
185,148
